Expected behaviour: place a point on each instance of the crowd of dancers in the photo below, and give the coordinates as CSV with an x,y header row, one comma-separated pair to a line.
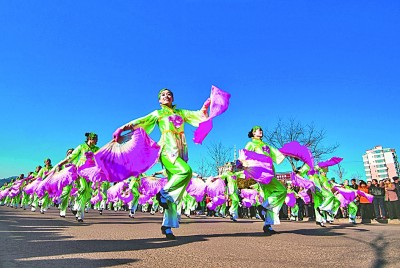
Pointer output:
x,y
93,177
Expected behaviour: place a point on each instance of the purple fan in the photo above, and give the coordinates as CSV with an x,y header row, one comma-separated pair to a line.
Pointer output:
x,y
216,201
215,187
219,200
331,162
343,201
93,173
211,206
304,195
368,196
196,188
249,197
41,188
257,166
301,182
97,198
58,180
4,193
150,186
113,193
219,104
143,199
290,199
15,188
347,194
31,187
133,154
126,196
296,150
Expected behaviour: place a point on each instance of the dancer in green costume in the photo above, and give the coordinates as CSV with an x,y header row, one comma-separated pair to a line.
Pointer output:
x,y
134,186
231,178
274,193
78,158
174,152
65,195
33,197
6,199
2,188
26,197
16,200
328,206
352,207
189,204
45,200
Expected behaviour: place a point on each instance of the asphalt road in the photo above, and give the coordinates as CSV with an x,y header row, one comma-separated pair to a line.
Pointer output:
x,y
30,239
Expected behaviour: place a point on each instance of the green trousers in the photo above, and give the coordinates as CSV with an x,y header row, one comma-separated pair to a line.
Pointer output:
x,y
274,196
179,175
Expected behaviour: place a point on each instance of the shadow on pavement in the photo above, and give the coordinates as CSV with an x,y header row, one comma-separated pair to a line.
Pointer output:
x,y
71,262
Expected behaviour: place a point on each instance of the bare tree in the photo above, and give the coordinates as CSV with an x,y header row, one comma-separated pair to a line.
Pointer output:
x,y
340,172
203,169
307,135
219,155
358,176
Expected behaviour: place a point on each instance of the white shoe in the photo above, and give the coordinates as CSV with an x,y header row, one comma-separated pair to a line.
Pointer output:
x,y
33,209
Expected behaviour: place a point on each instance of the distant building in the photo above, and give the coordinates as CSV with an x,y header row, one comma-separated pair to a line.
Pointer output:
x,y
381,163
285,176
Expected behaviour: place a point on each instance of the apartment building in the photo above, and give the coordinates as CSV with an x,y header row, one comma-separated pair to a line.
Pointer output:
x,y
381,163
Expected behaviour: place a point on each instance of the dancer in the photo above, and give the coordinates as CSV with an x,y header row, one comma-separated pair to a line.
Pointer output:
x,y
32,195
231,178
78,158
44,200
352,206
65,195
174,152
274,193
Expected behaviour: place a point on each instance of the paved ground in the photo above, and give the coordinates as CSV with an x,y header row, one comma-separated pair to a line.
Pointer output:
x,y
31,239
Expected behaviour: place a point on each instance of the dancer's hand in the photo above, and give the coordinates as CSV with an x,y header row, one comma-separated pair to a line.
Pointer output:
x,y
117,134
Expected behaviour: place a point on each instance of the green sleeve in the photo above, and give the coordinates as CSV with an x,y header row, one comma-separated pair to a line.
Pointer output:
x,y
147,122
276,155
74,156
193,118
40,173
224,176
303,170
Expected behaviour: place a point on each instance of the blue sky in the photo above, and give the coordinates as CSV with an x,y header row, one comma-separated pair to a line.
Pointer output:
x,y
67,68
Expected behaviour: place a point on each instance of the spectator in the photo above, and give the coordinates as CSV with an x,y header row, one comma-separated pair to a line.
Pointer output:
x,y
364,203
354,184
379,196
391,200
397,186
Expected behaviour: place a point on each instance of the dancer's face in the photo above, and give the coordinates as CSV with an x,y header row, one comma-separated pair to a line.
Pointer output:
x,y
92,141
258,133
69,152
166,98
